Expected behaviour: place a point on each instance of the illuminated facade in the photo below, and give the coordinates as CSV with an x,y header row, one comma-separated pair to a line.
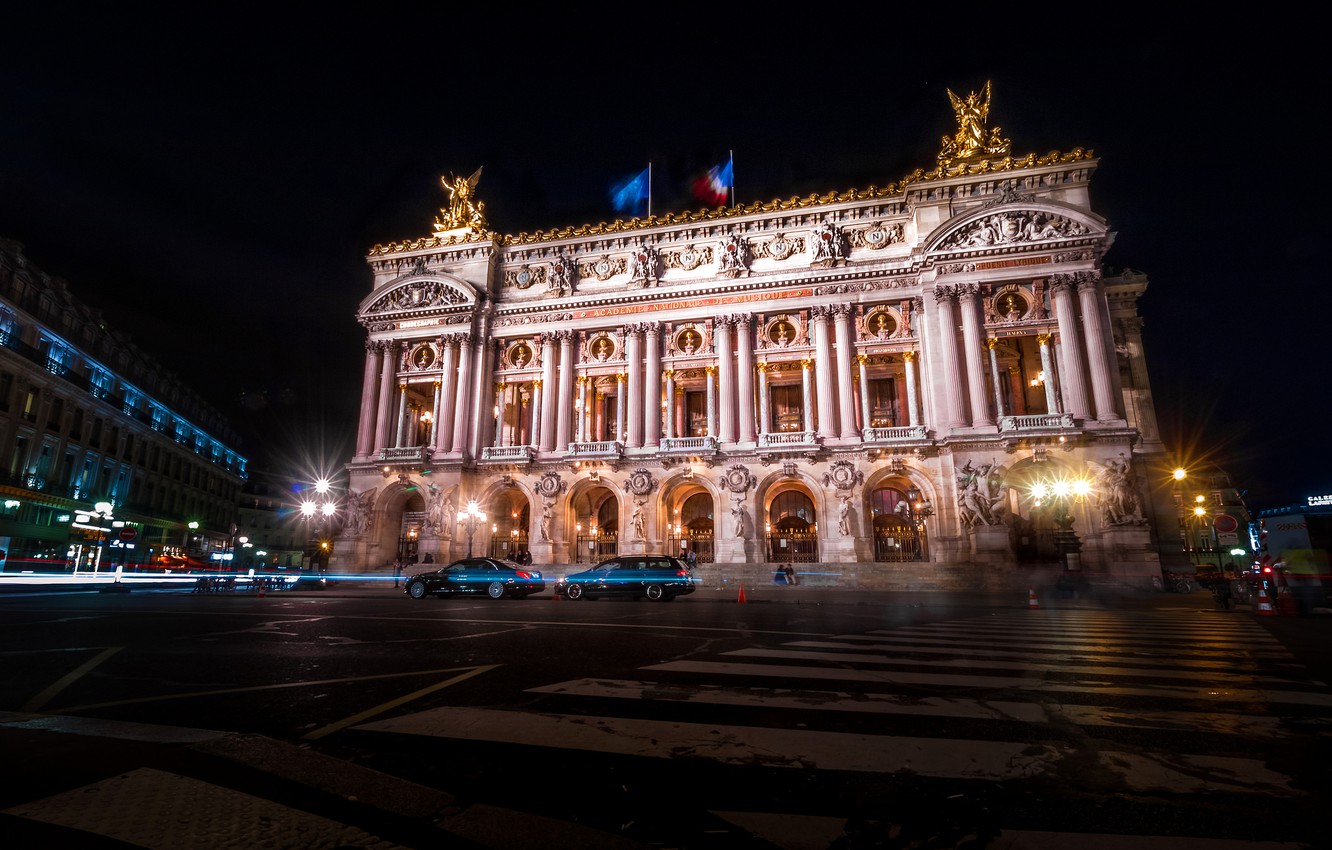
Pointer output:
x,y
84,420
873,381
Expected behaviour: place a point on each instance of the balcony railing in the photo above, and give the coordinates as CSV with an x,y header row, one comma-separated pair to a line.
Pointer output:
x,y
788,439
688,445
896,434
508,454
1040,421
600,449
405,454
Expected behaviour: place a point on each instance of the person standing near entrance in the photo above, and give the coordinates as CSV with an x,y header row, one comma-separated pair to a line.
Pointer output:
x,y
397,570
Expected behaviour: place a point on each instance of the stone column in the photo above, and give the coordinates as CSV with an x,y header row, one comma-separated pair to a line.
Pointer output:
x,y
580,409
709,372
365,425
765,417
991,343
620,432
462,401
725,379
823,385
402,416
548,406
633,362
447,394
972,322
864,393
537,401
681,419
744,343
945,297
498,439
670,403
1099,351
565,400
481,381
1072,377
1047,366
384,416
436,410
845,344
913,403
807,395
652,390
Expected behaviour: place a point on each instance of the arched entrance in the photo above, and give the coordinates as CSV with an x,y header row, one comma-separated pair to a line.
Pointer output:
x,y
410,526
899,527
692,528
510,518
792,528
596,525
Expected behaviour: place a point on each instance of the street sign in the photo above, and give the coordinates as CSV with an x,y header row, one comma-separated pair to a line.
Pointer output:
x,y
1225,523
128,533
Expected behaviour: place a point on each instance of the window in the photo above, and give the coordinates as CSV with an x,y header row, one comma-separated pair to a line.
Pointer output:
x,y
6,387
696,412
101,382
788,407
56,416
883,402
30,402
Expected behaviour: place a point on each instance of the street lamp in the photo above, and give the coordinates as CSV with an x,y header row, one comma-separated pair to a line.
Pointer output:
x,y
915,510
1061,493
103,510
470,516
320,511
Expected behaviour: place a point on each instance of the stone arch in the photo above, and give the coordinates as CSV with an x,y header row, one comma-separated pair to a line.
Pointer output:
x,y
678,490
415,293
509,513
591,505
1032,524
796,540
894,534
397,509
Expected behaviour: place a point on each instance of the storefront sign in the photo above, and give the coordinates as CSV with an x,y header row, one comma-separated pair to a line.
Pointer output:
x,y
1320,501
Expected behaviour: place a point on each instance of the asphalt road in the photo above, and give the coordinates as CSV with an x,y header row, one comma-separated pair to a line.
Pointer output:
x,y
797,719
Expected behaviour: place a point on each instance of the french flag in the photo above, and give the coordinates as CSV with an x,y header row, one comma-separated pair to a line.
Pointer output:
x,y
714,187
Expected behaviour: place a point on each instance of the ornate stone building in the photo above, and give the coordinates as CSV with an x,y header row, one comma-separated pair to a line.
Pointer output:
x,y
878,381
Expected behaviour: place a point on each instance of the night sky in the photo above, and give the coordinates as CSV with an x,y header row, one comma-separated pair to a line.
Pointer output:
x,y
213,180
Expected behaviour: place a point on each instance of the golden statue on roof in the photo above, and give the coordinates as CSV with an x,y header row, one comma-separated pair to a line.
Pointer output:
x,y
972,138
463,209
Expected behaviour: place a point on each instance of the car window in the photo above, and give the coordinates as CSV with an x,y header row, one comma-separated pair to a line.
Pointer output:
x,y
659,564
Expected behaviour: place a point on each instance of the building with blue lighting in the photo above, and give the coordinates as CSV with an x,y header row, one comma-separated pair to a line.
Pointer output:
x,y
108,458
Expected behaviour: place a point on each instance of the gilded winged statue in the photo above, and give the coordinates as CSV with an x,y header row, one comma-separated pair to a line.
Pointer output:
x,y
463,209
972,137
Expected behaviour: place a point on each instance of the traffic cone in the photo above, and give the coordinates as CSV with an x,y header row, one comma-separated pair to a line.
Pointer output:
x,y
1264,604
1031,599
741,597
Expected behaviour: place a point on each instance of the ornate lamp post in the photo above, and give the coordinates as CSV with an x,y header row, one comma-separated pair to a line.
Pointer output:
x,y
470,516
320,511
916,510
1061,493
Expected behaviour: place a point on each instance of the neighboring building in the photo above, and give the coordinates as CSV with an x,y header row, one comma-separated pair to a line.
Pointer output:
x,y
86,418
1295,546
876,379
1213,521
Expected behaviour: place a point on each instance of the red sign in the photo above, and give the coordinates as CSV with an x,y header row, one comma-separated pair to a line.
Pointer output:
x,y
1225,523
128,533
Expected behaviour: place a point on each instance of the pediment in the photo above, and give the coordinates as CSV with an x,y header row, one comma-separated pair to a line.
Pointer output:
x,y
1012,225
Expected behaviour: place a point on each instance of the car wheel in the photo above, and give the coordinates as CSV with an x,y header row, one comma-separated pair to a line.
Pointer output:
x,y
574,591
495,590
655,592
416,590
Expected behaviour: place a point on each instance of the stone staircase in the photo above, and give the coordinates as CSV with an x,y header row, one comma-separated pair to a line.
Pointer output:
x,y
875,576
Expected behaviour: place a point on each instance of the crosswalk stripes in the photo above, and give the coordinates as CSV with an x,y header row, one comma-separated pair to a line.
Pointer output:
x,y
1221,679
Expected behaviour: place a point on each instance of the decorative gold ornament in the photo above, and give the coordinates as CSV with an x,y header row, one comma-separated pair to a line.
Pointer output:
x,y
972,139
463,211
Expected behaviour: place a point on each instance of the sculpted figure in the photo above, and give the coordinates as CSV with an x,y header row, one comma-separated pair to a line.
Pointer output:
x,y
463,210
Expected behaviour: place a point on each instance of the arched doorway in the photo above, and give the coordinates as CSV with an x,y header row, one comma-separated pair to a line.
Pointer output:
x,y
510,518
409,527
692,528
899,527
792,528
596,525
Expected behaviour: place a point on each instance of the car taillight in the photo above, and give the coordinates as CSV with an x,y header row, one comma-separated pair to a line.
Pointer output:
x,y
682,573
522,574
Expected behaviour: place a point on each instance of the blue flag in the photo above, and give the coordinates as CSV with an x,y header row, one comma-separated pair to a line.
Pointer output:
x,y
627,196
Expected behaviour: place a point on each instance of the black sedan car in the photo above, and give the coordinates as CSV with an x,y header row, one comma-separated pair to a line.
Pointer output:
x,y
657,577
491,576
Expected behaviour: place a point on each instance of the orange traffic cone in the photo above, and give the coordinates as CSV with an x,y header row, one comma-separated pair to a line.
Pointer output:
x,y
741,597
1031,598
1264,604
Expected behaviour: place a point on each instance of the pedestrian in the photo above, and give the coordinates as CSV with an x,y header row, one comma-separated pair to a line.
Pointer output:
x,y
790,574
397,569
429,558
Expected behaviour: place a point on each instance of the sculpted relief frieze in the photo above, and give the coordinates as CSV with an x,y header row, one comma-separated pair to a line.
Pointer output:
x,y
1012,227
420,295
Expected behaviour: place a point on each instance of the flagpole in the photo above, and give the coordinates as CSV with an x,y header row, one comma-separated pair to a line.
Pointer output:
x,y
649,190
731,155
